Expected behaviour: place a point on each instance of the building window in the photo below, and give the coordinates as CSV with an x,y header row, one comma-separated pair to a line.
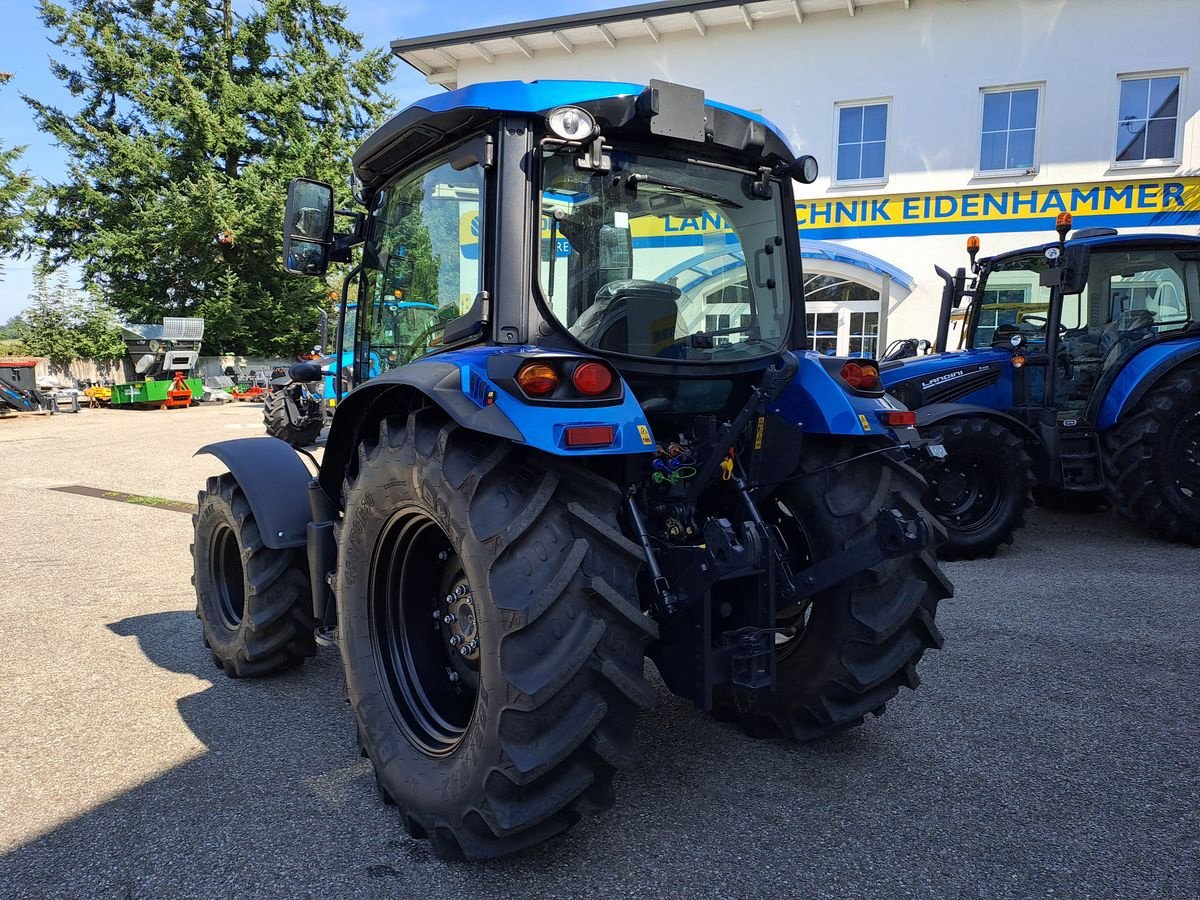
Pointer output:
x,y
823,333
862,141
1009,133
864,333
1148,118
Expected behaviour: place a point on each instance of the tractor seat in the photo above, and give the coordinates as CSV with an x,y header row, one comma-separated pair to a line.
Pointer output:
x,y
630,316
1129,328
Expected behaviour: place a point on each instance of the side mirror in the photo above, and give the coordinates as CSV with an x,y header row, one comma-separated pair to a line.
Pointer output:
x,y
1068,269
308,227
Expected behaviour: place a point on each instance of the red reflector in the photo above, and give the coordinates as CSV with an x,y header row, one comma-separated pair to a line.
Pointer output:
x,y
899,418
589,435
592,378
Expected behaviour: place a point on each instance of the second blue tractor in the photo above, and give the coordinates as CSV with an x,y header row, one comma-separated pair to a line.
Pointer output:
x,y
1077,381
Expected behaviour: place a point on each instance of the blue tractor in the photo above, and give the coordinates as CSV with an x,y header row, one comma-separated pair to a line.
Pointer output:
x,y
576,468
1078,377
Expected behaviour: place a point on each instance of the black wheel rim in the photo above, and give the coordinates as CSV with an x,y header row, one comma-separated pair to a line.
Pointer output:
x,y
228,576
965,493
799,557
424,632
1185,451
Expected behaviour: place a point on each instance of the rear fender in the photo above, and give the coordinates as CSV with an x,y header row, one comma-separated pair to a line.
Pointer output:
x,y
1140,374
818,404
936,413
457,381
275,482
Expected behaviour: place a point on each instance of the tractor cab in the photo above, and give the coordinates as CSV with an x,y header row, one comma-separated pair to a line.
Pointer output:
x,y
1077,313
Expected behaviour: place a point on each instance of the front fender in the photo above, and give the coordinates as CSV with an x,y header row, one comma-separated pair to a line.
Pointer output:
x,y
941,412
275,483
818,404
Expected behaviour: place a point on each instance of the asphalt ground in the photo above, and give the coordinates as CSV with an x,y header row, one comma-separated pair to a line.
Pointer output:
x,y
1051,750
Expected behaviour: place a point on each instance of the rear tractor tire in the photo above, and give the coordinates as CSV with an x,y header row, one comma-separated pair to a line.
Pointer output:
x,y
275,417
1152,459
858,643
254,603
980,491
490,633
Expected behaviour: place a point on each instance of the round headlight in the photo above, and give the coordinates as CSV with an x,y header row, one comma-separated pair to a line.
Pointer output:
x,y
806,169
1017,340
571,123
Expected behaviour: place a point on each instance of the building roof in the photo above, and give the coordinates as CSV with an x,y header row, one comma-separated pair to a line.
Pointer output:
x,y
437,56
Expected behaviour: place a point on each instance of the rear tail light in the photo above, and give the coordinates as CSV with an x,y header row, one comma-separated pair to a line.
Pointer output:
x,y
899,418
592,378
589,435
537,379
860,377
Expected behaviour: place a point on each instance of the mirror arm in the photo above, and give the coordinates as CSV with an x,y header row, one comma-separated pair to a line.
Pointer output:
x,y
339,251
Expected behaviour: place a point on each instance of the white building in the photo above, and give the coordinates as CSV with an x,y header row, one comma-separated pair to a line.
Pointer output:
x,y
932,120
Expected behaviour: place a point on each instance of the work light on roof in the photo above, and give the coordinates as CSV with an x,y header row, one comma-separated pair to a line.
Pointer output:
x,y
571,123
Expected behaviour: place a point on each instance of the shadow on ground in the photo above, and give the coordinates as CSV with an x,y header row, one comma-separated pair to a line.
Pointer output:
x,y
1051,749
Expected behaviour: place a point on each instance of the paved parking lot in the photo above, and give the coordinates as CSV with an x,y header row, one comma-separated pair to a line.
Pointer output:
x,y
1052,749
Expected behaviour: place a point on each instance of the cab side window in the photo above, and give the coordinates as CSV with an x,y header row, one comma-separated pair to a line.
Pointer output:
x,y
422,263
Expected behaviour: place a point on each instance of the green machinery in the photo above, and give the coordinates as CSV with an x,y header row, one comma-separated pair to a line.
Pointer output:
x,y
158,354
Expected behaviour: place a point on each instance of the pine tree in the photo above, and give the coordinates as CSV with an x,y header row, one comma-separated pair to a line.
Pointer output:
x,y
15,188
192,119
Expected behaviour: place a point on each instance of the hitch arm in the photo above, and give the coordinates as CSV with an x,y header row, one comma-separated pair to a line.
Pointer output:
x,y
896,534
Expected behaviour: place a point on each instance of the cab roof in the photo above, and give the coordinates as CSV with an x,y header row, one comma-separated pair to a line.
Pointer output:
x,y
1107,241
445,116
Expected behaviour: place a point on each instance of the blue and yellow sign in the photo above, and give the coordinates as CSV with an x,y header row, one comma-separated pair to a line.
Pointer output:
x,y
1165,201
1145,202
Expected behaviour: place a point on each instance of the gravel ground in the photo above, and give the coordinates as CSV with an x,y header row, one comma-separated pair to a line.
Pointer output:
x,y
1051,749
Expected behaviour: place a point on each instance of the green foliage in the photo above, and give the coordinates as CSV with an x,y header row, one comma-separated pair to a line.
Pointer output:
x,y
15,188
64,325
192,119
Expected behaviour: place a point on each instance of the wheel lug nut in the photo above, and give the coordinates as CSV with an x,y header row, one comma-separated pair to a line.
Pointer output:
x,y
473,645
449,618
455,640
459,590
436,615
453,677
465,651
444,555
449,598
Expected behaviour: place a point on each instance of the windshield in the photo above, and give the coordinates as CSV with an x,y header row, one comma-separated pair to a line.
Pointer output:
x,y
1013,301
664,259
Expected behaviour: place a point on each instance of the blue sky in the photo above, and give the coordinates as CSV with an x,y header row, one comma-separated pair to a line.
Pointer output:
x,y
25,50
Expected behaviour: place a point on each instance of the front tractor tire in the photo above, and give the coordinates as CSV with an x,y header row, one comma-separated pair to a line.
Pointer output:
x,y
254,603
489,628
1152,459
858,643
981,489
303,433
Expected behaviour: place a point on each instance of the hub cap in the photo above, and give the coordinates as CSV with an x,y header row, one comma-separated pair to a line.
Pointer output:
x,y
965,493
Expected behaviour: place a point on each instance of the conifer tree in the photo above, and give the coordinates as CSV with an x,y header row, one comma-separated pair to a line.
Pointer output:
x,y
192,117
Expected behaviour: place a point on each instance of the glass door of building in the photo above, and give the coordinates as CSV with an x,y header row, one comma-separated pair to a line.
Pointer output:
x,y
843,316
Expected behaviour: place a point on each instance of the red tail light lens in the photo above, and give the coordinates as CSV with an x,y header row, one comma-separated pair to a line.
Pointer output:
x,y
537,379
860,377
898,418
592,378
